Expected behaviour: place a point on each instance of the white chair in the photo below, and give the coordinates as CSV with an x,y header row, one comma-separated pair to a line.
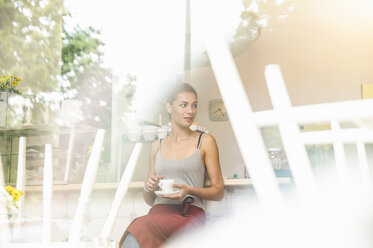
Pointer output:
x,y
338,137
4,222
21,183
120,194
69,153
246,124
47,194
241,116
290,134
294,141
86,190
2,178
87,186
69,115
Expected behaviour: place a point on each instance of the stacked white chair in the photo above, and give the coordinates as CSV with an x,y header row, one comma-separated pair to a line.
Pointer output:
x,y
47,194
69,153
5,235
87,187
76,227
21,183
4,223
119,196
333,113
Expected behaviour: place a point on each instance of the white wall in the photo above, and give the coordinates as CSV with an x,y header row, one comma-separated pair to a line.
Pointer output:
x,y
324,49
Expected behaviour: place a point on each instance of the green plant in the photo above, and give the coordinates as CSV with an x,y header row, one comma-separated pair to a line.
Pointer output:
x,y
10,83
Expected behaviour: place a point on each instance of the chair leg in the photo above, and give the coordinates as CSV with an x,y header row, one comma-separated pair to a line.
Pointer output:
x,y
21,181
339,154
246,131
121,192
4,221
47,193
69,154
363,162
87,186
296,152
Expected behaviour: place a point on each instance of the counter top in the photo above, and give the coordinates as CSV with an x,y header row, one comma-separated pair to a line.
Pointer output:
x,y
242,182
44,129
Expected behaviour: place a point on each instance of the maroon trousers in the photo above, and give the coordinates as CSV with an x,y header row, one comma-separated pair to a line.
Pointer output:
x,y
163,220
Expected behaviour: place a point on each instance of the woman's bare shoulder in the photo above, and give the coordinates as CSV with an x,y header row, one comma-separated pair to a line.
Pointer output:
x,y
207,136
208,140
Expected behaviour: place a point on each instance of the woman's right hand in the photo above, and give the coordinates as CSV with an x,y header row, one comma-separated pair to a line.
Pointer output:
x,y
152,183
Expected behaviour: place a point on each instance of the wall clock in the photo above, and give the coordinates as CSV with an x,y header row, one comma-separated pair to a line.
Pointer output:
x,y
217,110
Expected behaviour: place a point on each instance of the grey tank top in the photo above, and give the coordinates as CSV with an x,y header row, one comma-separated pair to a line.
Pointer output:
x,y
189,171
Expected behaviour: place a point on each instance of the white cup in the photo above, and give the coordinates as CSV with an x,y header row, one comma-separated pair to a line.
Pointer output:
x,y
166,185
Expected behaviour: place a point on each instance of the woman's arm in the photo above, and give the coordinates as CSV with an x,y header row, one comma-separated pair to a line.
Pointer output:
x,y
216,191
151,184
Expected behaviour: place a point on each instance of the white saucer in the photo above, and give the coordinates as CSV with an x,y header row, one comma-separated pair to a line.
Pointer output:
x,y
162,193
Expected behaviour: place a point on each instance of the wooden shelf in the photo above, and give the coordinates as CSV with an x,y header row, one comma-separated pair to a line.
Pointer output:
x,y
244,182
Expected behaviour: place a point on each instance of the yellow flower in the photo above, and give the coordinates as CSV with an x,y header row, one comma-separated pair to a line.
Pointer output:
x,y
14,193
8,188
9,83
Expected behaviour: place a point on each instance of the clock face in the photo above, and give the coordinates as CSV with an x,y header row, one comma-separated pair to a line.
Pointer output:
x,y
217,110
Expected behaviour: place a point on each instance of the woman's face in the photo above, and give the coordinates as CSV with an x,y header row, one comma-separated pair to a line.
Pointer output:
x,y
184,109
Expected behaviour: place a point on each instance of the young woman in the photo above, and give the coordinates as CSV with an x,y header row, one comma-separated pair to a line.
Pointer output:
x,y
185,156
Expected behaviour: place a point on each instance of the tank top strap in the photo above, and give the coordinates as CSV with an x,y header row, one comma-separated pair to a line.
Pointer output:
x,y
199,140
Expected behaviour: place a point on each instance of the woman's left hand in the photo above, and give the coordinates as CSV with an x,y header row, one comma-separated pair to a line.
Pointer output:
x,y
183,191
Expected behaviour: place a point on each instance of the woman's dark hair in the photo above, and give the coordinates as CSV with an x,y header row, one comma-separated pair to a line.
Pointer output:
x,y
177,89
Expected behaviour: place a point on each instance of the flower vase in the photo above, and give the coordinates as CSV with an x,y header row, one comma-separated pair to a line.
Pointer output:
x,y
28,117
4,94
11,114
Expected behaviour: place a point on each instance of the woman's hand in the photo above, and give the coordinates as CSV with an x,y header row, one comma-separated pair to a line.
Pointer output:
x,y
184,190
152,183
